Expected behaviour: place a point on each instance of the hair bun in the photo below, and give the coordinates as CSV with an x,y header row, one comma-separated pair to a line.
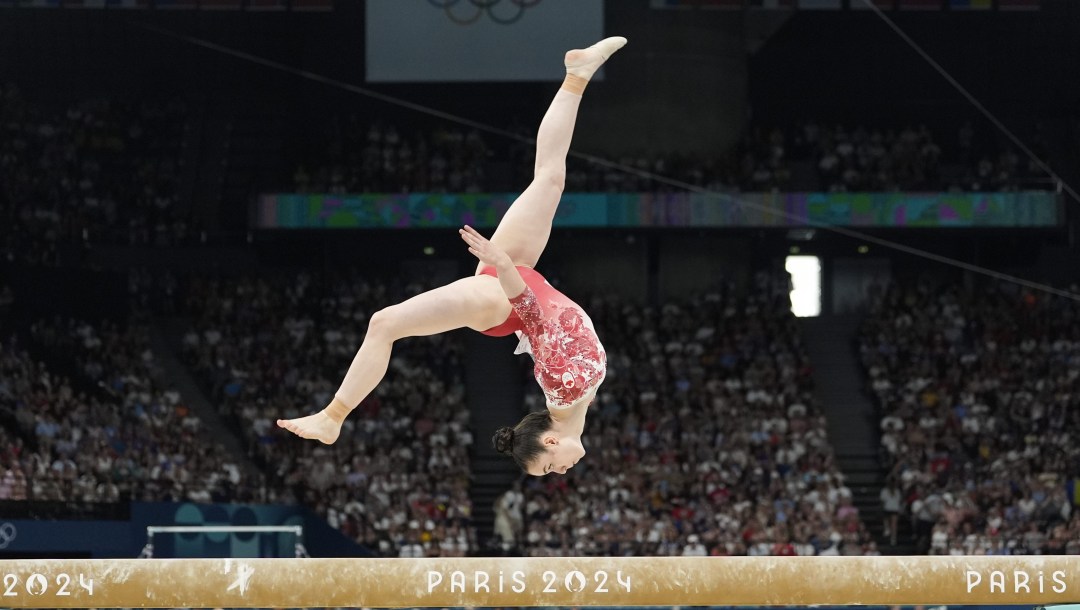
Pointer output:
x,y
503,440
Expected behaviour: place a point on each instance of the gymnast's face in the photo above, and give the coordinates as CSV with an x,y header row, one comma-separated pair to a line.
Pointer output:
x,y
560,455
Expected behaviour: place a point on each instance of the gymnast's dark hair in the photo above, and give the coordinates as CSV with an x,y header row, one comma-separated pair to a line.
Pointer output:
x,y
522,442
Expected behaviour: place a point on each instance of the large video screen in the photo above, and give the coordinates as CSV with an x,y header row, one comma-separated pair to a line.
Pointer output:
x,y
476,40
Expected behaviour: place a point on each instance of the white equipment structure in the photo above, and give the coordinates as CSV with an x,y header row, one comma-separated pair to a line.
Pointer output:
x,y
296,530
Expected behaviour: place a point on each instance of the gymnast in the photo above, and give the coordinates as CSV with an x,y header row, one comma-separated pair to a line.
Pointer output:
x,y
505,296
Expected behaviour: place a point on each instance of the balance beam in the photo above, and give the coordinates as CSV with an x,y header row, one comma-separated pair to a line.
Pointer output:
x,y
502,581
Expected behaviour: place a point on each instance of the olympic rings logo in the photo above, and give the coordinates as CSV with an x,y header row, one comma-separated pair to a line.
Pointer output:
x,y
500,12
7,534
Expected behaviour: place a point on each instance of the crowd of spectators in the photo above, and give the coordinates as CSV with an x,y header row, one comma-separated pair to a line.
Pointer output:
x,y
705,440
96,426
108,171
977,390
13,483
93,171
356,156
375,157
909,158
277,346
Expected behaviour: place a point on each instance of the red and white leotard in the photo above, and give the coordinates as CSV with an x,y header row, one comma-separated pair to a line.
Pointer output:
x,y
570,361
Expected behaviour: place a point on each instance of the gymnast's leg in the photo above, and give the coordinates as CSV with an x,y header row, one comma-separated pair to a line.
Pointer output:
x,y
476,302
524,229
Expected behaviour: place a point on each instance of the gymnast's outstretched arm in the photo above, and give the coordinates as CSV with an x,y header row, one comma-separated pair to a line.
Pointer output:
x,y
490,254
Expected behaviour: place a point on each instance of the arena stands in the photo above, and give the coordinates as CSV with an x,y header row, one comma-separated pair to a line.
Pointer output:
x,y
358,156
93,171
812,156
976,387
98,426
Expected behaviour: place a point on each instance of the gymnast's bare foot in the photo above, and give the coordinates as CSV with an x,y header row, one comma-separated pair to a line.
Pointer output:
x,y
319,427
584,63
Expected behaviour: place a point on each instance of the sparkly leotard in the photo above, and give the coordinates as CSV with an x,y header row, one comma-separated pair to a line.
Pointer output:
x,y
569,360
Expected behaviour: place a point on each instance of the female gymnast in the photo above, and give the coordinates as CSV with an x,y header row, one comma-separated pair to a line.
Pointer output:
x,y
505,295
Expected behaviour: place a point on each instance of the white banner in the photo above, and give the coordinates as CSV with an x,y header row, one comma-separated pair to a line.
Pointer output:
x,y
476,40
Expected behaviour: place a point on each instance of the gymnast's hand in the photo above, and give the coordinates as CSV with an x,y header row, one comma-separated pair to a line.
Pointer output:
x,y
487,252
